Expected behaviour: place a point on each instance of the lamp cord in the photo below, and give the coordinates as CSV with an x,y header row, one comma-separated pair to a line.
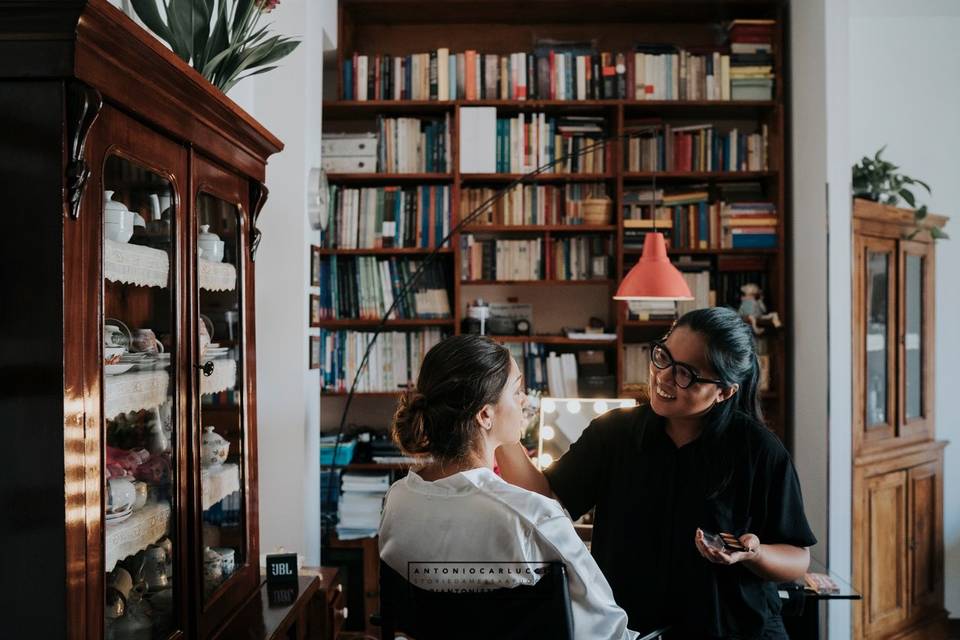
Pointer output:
x,y
436,251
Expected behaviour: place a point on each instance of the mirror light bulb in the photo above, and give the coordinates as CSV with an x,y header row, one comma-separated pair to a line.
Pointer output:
x,y
547,432
548,405
573,406
626,404
599,407
545,460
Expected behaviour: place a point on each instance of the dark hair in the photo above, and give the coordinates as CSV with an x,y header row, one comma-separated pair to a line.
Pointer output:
x,y
457,378
732,354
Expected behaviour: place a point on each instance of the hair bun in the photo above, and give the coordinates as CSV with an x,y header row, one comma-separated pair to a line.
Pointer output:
x,y
409,430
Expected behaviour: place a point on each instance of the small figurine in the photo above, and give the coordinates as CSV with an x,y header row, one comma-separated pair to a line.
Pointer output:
x,y
753,309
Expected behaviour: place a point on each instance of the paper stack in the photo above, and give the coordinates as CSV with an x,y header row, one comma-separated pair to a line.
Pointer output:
x,y
361,504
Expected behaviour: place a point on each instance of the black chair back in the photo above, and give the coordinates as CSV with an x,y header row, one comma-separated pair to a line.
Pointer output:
x,y
522,613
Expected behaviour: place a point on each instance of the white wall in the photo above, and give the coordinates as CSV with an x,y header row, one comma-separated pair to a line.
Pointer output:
x,y
904,57
821,311
287,102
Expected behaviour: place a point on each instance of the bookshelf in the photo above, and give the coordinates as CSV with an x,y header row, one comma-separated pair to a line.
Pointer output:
x,y
499,27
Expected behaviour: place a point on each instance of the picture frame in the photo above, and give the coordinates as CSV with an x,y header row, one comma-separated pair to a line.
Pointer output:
x,y
314,266
314,350
314,310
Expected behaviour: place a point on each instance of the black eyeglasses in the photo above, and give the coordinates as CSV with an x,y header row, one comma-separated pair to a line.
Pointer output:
x,y
683,374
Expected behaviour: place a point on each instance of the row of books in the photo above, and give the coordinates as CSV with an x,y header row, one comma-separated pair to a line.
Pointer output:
x,y
570,144
530,204
393,364
563,258
636,366
386,217
554,374
413,145
364,287
497,259
577,72
663,147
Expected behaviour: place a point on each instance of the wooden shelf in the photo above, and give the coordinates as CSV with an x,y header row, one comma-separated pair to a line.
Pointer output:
x,y
717,252
506,178
466,283
347,323
648,323
362,394
388,178
556,340
364,109
539,228
398,251
698,176
372,27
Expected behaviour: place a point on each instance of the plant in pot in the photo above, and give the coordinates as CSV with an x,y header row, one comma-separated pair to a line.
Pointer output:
x,y
222,39
876,179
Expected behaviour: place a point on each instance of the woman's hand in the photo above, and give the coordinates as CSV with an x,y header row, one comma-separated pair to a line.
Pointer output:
x,y
748,540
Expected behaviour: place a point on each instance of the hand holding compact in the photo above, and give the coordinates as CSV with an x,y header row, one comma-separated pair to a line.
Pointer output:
x,y
723,548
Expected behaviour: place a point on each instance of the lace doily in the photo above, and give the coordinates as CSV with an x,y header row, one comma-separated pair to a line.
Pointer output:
x,y
217,276
135,391
135,264
216,483
137,532
224,377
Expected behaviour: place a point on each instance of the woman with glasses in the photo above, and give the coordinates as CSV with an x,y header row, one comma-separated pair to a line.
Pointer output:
x,y
456,513
666,477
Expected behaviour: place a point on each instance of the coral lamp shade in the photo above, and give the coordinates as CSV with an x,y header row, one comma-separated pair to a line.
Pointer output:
x,y
653,277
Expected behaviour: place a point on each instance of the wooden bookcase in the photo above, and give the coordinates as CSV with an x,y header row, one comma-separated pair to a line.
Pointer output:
x,y
401,28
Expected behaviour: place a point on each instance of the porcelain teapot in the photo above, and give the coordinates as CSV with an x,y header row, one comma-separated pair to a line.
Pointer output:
x,y
118,221
214,448
211,244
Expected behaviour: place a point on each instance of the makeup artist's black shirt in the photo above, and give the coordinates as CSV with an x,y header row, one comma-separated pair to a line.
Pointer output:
x,y
651,496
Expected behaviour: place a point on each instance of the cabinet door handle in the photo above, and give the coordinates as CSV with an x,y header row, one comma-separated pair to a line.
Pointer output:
x,y
340,588
342,613
206,367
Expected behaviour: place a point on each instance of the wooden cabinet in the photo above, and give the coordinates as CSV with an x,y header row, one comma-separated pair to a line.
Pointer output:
x,y
898,464
131,191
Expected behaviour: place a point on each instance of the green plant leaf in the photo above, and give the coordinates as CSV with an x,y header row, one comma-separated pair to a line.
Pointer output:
x,y
907,195
201,14
920,213
938,233
147,11
180,30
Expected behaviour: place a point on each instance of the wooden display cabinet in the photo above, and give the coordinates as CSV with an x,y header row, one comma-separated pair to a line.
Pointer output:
x,y
898,464
93,104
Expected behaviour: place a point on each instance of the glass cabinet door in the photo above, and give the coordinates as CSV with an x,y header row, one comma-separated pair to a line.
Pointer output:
x,y
879,333
222,418
142,584
914,347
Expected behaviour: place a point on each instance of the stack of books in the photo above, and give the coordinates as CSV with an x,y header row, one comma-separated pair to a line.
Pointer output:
x,y
413,145
651,310
749,225
364,287
530,204
394,359
751,59
686,218
386,217
361,505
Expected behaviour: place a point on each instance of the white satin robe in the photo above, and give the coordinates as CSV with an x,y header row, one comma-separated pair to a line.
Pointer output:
x,y
479,520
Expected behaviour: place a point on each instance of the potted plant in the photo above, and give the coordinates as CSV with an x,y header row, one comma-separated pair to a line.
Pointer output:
x,y
222,39
876,179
